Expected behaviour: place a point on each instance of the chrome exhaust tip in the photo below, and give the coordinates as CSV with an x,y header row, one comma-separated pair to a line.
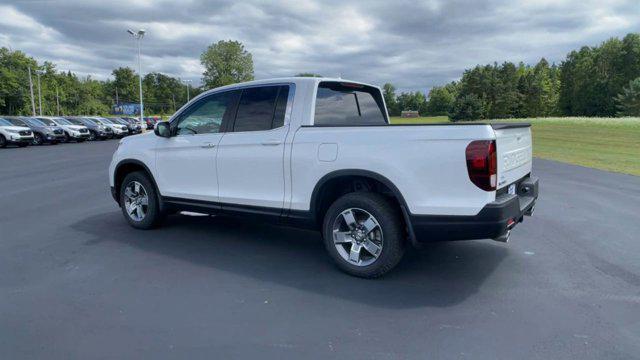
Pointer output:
x,y
504,238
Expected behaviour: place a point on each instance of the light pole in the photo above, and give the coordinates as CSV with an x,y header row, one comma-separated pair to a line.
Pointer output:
x,y
39,93
33,102
138,36
187,82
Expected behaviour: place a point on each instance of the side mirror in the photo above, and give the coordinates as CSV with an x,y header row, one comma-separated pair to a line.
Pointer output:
x,y
163,129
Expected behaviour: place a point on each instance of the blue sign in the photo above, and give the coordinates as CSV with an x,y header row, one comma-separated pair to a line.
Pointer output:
x,y
126,109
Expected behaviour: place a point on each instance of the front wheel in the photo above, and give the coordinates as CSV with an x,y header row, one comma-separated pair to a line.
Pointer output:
x,y
37,139
139,201
92,135
364,235
3,141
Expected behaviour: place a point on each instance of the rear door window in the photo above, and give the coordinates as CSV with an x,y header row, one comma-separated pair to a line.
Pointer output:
x,y
256,109
348,104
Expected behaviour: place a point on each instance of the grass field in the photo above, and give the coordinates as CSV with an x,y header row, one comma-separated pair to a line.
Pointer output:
x,y
611,144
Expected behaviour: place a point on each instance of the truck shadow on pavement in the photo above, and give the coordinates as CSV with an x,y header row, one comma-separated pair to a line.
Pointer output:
x,y
439,275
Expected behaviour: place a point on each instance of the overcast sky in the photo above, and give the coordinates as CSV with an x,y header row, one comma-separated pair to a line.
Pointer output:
x,y
412,44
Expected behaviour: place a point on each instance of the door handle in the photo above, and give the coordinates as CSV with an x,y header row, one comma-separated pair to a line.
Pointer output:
x,y
208,145
271,142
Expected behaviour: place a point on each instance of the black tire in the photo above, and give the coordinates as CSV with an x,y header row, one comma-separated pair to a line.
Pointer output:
x,y
153,216
92,135
3,141
387,214
37,139
67,138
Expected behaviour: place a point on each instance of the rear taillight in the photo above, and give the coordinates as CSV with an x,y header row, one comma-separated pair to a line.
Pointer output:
x,y
482,164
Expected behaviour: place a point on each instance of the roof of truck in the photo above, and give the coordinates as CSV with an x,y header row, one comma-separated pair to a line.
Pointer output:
x,y
294,79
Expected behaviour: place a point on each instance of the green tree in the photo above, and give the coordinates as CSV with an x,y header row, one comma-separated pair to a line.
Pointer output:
x,y
468,107
414,101
163,93
226,62
628,101
389,93
125,83
15,97
441,99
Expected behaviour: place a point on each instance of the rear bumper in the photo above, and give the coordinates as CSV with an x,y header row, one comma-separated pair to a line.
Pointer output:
x,y
492,222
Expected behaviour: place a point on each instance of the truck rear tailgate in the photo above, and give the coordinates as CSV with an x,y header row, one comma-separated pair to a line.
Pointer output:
x,y
514,151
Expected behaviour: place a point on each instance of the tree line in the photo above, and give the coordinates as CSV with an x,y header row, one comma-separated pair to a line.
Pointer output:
x,y
594,81
66,93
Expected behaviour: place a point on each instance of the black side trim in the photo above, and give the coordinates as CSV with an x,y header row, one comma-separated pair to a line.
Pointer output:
x,y
301,219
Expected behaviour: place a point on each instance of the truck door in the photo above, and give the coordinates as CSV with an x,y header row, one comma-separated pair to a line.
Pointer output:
x,y
250,157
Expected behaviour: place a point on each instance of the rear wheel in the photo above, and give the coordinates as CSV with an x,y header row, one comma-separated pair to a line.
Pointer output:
x,y
139,201
37,139
67,138
364,235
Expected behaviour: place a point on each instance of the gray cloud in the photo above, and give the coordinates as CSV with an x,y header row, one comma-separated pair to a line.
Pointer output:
x,y
414,45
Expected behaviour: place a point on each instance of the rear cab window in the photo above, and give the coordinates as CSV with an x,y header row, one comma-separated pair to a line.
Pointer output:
x,y
348,104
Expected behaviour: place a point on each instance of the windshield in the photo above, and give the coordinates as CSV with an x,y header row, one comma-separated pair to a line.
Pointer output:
x,y
91,121
4,122
35,122
96,121
63,121
47,122
75,121
18,122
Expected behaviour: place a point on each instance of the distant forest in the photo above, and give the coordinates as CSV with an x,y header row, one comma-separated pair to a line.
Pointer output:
x,y
594,81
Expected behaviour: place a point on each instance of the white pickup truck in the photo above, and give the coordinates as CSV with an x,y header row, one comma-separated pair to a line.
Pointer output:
x,y
320,153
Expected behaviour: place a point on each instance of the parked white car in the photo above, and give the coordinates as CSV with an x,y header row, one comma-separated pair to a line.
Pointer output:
x,y
320,153
78,133
11,134
119,130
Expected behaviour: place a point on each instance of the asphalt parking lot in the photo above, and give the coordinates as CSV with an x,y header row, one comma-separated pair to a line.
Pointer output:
x,y
77,282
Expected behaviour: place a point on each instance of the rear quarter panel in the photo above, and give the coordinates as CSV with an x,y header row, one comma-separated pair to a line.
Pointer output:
x,y
426,163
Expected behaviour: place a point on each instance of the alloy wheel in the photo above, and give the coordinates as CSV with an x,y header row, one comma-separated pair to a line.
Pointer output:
x,y
136,201
357,236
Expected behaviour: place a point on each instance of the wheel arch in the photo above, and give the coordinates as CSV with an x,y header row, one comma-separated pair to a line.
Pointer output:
x,y
327,190
128,166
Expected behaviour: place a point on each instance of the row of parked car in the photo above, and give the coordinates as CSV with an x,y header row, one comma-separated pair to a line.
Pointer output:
x,y
38,130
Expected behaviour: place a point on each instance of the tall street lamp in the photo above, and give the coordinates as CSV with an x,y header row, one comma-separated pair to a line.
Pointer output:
x,y
33,101
187,82
39,93
138,36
